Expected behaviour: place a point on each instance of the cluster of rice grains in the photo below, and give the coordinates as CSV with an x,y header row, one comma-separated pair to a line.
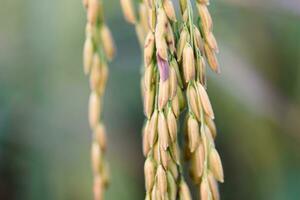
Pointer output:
x,y
174,80
98,48
163,98
197,43
163,102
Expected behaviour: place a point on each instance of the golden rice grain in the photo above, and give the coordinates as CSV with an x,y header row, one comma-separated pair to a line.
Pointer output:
x,y
148,76
175,106
205,190
149,48
163,131
164,157
188,63
108,42
152,19
162,180
173,83
198,39
211,59
183,5
93,11
128,11
98,188
163,95
88,55
211,41
96,75
169,9
213,187
149,170
153,128
204,99
182,42
172,186
193,101
193,134
198,162
172,125
100,136
206,20
149,102
170,38
215,165
212,127
143,15
184,193
146,143
94,109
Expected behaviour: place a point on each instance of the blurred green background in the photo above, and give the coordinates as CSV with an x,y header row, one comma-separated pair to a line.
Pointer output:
x,y
44,134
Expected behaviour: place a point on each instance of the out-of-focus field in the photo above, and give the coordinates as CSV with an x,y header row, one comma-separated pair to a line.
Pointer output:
x,y
44,134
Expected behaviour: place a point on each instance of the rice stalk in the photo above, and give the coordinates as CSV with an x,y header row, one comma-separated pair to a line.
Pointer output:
x,y
98,49
163,99
162,107
195,46
162,84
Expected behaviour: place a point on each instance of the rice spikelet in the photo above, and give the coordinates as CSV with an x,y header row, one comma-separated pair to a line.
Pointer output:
x,y
196,45
98,48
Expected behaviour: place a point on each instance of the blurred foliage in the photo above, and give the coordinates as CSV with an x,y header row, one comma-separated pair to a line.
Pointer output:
x,y
44,135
